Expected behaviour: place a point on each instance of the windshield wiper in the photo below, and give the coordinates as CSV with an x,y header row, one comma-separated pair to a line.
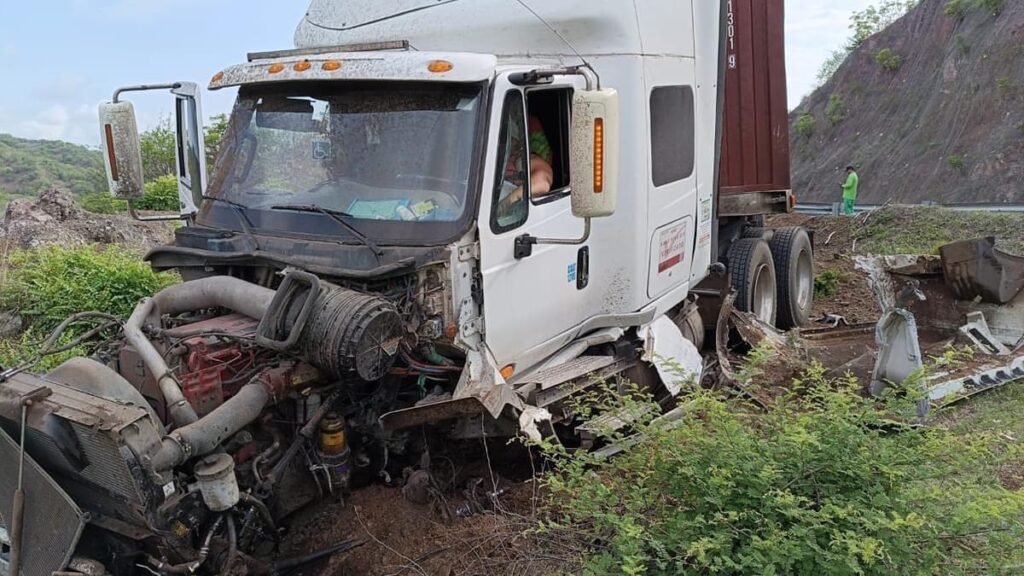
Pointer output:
x,y
339,217
243,219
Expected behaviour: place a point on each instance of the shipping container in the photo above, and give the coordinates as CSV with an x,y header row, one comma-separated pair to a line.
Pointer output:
x,y
755,137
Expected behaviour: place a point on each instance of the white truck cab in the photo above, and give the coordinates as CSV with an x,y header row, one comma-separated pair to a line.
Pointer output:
x,y
405,132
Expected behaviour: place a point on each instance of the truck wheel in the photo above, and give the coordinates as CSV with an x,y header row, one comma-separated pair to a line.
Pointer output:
x,y
753,277
794,268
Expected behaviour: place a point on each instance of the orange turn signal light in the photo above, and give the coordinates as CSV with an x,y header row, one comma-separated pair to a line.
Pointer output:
x,y
508,371
439,66
332,65
598,155
217,77
275,68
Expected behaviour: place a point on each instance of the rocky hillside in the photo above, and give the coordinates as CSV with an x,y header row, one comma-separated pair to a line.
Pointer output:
x,y
931,108
28,167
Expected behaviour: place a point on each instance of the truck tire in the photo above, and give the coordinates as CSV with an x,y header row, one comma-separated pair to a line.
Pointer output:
x,y
753,278
762,233
794,271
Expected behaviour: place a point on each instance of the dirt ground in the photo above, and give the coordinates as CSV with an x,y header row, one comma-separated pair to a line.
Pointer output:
x,y
55,218
463,532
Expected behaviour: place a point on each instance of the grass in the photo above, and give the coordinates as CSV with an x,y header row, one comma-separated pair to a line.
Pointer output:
x,y
922,230
826,283
804,125
888,60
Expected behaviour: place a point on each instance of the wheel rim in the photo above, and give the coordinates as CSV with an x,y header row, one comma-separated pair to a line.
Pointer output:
x,y
804,280
763,301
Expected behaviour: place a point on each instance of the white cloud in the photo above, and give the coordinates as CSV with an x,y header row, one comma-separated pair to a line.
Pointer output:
x,y
76,124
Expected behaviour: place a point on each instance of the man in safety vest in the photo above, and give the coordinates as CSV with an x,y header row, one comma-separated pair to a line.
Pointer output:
x,y
850,190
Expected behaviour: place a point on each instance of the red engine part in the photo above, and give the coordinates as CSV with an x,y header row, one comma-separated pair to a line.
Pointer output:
x,y
215,367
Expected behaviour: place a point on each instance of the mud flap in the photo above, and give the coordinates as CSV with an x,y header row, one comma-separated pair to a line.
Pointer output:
x,y
53,523
675,358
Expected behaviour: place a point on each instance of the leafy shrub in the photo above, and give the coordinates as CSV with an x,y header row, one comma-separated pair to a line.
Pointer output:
x,y
817,485
826,284
993,7
804,125
957,162
1004,83
957,9
888,60
161,194
101,203
836,109
48,284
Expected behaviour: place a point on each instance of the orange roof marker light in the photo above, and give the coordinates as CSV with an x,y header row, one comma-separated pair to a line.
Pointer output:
x,y
440,66
332,65
217,77
302,66
275,68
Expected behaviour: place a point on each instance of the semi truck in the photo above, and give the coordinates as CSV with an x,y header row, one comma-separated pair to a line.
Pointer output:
x,y
427,220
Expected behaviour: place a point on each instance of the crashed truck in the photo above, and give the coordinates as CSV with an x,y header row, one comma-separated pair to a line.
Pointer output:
x,y
368,271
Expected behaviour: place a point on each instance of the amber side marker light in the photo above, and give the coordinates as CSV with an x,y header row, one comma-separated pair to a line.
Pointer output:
x,y
332,65
599,155
275,68
217,77
302,66
508,371
439,66
108,131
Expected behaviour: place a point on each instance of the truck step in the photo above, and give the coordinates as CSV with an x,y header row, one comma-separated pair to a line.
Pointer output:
x,y
558,383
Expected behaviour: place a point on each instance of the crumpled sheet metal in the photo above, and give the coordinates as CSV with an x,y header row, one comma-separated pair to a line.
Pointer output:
x,y
976,269
675,358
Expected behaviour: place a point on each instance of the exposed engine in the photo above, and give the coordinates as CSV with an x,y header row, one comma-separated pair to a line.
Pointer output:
x,y
226,407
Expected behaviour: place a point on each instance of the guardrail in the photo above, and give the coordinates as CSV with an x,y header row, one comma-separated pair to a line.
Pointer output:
x,y
835,208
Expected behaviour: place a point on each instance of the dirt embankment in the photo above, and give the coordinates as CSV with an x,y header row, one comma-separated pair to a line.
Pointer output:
x,y
55,218
939,117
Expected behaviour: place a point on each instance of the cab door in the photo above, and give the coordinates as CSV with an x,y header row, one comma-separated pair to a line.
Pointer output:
x,y
528,300
673,209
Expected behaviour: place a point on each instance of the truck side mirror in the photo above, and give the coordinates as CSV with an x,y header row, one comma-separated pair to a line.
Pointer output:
x,y
594,153
122,151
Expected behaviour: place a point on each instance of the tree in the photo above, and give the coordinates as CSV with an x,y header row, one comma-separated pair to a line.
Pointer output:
x,y
214,136
865,24
159,150
159,146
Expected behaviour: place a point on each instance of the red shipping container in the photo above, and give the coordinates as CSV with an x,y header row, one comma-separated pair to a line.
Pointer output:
x,y
755,139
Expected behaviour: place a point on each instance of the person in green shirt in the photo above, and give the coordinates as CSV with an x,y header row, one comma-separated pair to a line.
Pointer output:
x,y
850,190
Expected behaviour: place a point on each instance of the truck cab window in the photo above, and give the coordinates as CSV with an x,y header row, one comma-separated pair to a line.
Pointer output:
x,y
549,113
672,134
512,186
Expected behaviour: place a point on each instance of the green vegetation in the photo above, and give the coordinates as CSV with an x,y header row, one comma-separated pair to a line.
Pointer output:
x,y
28,167
1004,83
888,60
961,44
864,24
102,203
161,194
836,109
1020,127
956,162
48,284
826,283
804,125
958,9
922,230
818,484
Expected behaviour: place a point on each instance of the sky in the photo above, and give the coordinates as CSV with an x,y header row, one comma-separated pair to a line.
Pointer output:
x,y
60,58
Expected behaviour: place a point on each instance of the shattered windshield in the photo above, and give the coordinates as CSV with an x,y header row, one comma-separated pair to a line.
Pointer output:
x,y
377,155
